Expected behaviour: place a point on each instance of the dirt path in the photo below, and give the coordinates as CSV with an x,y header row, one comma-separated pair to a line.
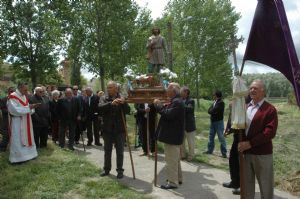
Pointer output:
x,y
199,181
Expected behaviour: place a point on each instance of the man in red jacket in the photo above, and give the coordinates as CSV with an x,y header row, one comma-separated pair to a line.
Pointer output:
x,y
261,128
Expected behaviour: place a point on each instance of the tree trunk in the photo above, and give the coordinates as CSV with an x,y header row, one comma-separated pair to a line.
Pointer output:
x,y
75,73
33,76
170,46
197,90
102,77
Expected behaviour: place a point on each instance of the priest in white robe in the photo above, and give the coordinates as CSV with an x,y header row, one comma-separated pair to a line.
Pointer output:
x,y
22,145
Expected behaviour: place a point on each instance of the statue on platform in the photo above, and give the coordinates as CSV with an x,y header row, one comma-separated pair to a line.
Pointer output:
x,y
156,45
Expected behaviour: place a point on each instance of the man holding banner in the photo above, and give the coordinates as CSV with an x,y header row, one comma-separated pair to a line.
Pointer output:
x,y
262,122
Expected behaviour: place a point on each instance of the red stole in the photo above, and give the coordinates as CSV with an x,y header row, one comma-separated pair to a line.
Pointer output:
x,y
27,118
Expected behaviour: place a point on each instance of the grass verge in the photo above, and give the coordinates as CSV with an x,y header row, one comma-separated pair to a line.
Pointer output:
x,y
57,173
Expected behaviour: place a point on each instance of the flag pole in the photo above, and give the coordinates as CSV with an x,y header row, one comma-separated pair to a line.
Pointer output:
x,y
242,68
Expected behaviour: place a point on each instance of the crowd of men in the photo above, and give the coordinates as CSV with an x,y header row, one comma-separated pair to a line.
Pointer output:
x,y
29,119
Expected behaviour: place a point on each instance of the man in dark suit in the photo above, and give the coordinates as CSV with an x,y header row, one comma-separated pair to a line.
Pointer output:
x,y
80,125
111,107
170,131
262,122
40,118
4,124
91,116
68,110
216,111
190,124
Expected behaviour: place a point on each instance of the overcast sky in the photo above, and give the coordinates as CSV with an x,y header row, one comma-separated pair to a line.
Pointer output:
x,y
246,8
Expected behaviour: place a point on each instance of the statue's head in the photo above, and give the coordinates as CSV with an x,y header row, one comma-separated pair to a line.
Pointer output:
x,y
155,31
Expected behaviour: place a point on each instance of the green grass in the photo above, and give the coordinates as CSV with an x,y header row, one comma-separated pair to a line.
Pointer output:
x,y
57,173
286,143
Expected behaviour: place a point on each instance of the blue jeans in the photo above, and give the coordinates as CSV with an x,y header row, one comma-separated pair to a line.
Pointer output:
x,y
216,127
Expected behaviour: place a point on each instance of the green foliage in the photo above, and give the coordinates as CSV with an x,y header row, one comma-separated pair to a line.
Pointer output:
x,y
83,81
276,84
109,26
32,34
202,40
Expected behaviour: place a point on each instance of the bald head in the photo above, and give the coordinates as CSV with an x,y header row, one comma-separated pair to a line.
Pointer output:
x,y
257,90
68,92
112,88
88,91
173,89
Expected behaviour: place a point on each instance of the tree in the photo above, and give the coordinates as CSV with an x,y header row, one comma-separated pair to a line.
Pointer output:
x,y
33,34
276,84
202,38
109,27
76,35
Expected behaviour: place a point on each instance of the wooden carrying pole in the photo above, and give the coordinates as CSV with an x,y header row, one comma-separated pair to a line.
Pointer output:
x,y
155,155
241,133
148,143
128,143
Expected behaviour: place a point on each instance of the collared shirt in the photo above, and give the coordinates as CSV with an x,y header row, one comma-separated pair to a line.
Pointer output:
x,y
251,111
90,99
214,103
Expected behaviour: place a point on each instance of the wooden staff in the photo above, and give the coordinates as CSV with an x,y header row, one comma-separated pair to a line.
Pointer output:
x,y
81,134
128,143
82,141
241,133
148,144
155,155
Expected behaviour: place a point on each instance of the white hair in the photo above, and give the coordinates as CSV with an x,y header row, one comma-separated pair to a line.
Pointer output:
x,y
38,89
55,93
175,87
89,89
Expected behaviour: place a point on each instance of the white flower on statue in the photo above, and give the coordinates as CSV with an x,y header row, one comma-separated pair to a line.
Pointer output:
x,y
167,74
130,74
164,71
172,75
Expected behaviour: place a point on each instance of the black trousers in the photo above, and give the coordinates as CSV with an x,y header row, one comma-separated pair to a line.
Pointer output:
x,y
63,126
143,127
118,140
234,165
40,136
92,127
4,132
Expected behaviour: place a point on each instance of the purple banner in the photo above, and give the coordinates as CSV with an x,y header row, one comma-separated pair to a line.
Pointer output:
x,y
270,42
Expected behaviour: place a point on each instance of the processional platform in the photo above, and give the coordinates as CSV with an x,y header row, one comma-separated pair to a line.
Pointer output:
x,y
145,90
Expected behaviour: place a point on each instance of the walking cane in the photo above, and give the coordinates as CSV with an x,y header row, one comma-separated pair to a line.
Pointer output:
x,y
81,135
128,143
82,139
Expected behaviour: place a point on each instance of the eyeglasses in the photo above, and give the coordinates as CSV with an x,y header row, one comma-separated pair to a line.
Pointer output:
x,y
76,89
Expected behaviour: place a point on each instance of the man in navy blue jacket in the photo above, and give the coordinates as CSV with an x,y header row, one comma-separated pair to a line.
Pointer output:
x,y
190,124
216,111
170,131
